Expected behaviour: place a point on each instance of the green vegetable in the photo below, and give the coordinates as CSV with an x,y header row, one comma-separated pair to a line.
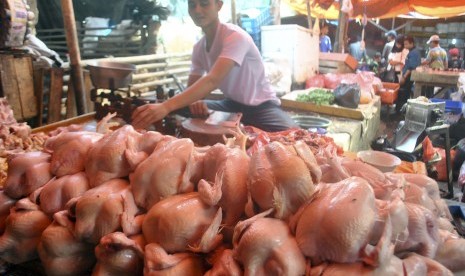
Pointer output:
x,y
317,96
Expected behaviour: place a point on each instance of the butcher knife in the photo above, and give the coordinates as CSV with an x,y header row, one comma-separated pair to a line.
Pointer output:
x,y
225,119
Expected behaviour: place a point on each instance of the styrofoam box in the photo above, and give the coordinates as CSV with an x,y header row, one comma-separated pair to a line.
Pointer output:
x,y
462,27
299,44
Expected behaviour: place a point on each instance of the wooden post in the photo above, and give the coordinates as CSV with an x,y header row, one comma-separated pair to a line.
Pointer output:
x,y
341,32
233,12
74,55
276,11
309,15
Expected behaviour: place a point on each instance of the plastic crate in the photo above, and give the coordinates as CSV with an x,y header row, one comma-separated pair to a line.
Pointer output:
x,y
256,39
252,24
389,93
454,107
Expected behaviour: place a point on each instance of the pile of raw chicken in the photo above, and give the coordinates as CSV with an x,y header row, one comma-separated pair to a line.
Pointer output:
x,y
15,137
125,202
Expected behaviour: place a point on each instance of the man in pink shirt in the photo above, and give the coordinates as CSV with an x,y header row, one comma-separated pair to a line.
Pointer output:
x,y
225,58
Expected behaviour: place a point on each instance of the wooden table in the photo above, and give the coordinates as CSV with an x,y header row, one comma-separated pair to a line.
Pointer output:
x,y
427,77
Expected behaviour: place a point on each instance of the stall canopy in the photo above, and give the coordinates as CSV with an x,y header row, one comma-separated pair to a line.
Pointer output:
x,y
381,8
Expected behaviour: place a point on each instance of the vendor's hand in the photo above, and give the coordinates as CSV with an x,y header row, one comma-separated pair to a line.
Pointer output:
x,y
199,109
148,114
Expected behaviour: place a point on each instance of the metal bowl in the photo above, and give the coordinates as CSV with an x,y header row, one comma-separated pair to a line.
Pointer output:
x,y
307,121
110,75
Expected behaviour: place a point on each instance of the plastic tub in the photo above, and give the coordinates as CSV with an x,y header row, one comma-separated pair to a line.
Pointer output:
x,y
454,107
383,161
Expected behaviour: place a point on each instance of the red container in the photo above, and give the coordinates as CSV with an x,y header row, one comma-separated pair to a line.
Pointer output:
x,y
389,93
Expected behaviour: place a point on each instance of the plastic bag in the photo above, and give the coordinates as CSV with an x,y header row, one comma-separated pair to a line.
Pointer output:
x,y
428,149
315,81
347,95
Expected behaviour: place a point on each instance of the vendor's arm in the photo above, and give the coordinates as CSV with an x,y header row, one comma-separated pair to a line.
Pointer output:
x,y
148,114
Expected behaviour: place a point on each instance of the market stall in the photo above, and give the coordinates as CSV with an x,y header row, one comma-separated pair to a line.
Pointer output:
x,y
95,194
424,77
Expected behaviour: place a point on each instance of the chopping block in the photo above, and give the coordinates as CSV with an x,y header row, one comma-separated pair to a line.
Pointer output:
x,y
203,134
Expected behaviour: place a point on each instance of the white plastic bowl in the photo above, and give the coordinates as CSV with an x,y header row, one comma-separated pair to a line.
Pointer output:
x,y
385,162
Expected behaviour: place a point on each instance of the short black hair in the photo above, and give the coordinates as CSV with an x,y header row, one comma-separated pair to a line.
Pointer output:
x,y
410,39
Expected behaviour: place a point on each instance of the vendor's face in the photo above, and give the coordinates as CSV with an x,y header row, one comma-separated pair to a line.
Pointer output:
x,y
204,12
408,45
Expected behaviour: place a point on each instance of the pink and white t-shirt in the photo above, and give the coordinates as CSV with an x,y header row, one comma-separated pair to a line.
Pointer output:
x,y
246,83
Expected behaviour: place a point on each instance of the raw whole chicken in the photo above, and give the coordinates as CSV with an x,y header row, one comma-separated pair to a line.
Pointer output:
x,y
415,264
24,227
60,252
397,212
331,165
167,171
451,252
118,255
26,173
423,181
281,177
423,231
381,185
5,204
431,188
393,268
417,195
335,225
103,210
159,263
265,246
54,195
224,264
117,153
69,151
183,222
228,169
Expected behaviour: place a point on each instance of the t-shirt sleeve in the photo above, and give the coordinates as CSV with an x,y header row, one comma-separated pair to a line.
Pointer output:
x,y
197,67
235,47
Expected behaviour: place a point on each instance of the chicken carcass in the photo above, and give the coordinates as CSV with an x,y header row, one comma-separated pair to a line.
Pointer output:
x,y
381,185
281,177
24,227
265,246
54,195
117,153
451,251
183,222
102,210
167,171
158,262
26,173
119,255
223,263
423,231
336,224
228,169
60,252
69,151
6,203
415,264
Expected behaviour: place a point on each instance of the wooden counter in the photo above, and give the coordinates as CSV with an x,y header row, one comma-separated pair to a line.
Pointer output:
x,y
427,77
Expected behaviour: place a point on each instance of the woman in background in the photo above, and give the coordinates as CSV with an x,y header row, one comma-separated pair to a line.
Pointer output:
x,y
396,60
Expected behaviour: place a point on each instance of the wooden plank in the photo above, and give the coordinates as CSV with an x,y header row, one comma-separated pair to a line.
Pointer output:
x,y
10,85
39,91
88,87
323,109
85,118
25,79
56,90
288,101
71,110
